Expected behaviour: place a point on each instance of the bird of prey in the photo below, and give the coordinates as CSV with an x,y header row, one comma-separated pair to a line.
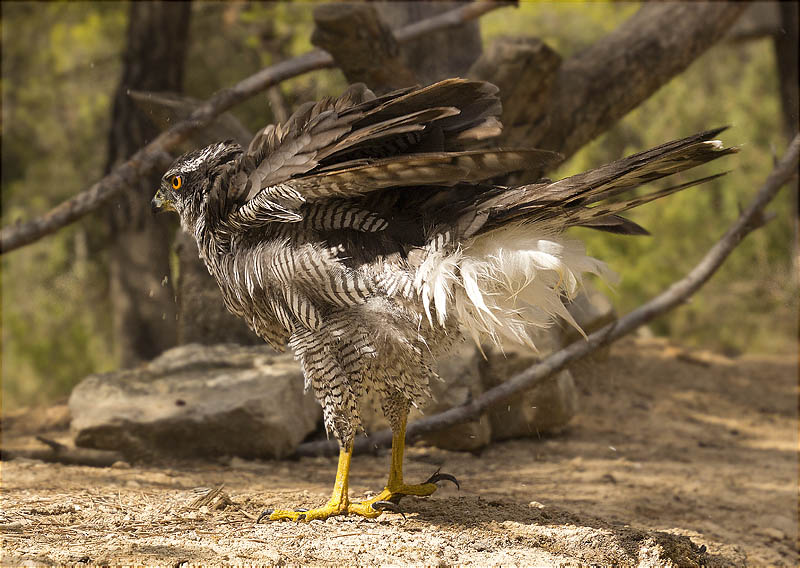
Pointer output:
x,y
365,232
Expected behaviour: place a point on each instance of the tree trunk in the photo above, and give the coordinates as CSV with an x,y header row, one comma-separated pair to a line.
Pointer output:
x,y
786,56
141,291
362,45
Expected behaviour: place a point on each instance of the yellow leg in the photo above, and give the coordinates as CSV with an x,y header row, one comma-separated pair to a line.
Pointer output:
x,y
339,503
395,488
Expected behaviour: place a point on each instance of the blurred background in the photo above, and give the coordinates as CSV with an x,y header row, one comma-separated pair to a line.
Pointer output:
x,y
100,293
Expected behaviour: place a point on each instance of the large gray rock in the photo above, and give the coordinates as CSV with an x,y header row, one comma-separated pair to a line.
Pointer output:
x,y
461,382
196,400
546,408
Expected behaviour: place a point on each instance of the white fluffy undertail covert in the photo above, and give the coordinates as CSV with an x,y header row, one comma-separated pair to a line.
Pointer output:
x,y
500,283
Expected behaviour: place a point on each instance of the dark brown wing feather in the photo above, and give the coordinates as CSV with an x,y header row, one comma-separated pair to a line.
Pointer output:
x,y
359,147
436,169
402,134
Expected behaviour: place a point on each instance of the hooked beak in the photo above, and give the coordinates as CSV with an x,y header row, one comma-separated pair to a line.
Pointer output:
x,y
157,204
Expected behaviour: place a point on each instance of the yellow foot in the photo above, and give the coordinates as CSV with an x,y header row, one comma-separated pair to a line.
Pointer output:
x,y
322,513
331,509
386,500
369,509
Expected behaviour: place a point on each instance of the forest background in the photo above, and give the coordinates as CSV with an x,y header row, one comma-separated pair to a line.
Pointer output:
x,y
61,66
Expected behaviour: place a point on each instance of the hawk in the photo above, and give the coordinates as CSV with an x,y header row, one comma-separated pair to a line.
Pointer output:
x,y
365,232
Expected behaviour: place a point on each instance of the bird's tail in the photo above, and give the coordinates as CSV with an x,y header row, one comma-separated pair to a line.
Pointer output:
x,y
595,198
513,268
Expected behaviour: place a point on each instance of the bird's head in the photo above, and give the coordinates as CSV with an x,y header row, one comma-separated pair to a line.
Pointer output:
x,y
189,178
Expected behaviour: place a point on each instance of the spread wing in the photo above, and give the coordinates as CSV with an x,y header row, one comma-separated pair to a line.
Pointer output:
x,y
330,153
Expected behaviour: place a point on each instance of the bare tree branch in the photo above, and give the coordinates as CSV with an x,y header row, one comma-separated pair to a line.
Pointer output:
x,y
360,38
455,48
59,453
155,154
749,220
596,87
450,19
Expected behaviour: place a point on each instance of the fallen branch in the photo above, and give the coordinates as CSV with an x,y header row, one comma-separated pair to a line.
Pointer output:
x,y
155,154
749,220
57,452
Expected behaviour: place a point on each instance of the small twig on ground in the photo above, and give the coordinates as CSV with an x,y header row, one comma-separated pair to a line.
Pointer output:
x,y
155,154
208,496
749,220
248,515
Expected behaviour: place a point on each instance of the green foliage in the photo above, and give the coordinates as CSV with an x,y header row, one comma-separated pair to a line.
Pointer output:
x,y
61,64
52,332
567,27
748,306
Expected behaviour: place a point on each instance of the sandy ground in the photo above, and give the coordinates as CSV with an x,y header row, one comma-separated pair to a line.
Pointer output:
x,y
677,458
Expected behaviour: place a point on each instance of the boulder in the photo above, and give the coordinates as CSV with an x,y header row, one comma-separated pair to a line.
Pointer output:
x,y
197,401
546,408
460,382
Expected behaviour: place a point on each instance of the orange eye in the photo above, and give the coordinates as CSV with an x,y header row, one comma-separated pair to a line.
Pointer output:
x,y
177,182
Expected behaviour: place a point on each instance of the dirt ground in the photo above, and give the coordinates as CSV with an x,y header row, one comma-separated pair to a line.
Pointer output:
x,y
677,458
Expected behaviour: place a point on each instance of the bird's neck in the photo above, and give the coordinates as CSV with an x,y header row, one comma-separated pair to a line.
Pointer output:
x,y
211,243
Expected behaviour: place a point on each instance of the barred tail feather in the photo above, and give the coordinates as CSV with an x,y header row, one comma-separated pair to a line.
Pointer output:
x,y
499,284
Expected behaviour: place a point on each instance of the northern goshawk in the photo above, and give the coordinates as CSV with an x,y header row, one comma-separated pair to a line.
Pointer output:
x,y
365,233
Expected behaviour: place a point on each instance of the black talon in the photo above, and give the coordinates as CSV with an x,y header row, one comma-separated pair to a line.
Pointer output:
x,y
388,506
266,513
437,477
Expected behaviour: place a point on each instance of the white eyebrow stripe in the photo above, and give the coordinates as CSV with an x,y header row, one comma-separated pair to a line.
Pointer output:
x,y
197,161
